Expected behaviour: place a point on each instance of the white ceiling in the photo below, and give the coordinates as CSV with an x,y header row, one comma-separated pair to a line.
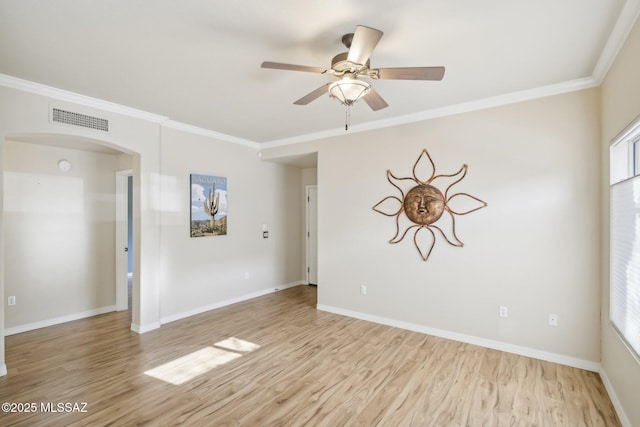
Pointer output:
x,y
198,62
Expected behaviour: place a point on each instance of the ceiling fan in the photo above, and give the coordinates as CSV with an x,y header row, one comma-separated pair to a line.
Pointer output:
x,y
351,66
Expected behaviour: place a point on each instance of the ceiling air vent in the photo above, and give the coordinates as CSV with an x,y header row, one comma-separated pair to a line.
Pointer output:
x,y
77,119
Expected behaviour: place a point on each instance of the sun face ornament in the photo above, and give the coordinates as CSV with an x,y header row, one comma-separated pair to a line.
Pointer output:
x,y
425,207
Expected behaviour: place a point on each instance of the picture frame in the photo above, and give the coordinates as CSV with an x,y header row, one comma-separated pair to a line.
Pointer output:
x,y
208,201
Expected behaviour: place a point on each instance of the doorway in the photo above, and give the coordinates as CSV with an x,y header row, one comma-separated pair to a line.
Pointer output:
x,y
312,234
124,239
81,213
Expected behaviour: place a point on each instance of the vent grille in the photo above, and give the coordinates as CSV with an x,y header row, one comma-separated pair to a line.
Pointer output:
x,y
77,119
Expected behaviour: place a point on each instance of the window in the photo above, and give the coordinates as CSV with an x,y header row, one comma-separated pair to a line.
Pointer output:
x,y
625,236
636,156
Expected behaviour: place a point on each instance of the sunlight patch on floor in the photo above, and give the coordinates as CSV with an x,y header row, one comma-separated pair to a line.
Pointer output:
x,y
185,368
236,344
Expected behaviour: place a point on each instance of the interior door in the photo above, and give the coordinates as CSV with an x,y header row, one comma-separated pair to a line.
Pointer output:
x,y
312,235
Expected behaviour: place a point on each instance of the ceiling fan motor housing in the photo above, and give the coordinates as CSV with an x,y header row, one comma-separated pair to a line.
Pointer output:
x,y
340,64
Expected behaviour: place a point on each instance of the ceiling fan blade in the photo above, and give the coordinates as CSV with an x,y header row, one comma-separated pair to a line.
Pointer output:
x,y
411,73
312,96
374,100
364,41
292,67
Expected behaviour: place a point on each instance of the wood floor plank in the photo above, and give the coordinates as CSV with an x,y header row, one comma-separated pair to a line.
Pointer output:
x,y
277,361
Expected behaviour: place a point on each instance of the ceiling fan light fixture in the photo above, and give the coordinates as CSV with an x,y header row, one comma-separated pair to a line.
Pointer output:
x,y
349,89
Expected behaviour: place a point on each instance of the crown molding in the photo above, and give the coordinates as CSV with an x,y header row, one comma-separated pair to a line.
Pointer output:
x,y
622,28
465,107
87,101
496,101
625,22
210,133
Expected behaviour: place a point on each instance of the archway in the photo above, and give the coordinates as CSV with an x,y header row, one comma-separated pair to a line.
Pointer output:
x,y
61,217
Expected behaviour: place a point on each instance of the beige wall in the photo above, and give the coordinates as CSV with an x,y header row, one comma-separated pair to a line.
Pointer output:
x,y
27,114
175,275
537,248
534,249
197,273
620,106
59,232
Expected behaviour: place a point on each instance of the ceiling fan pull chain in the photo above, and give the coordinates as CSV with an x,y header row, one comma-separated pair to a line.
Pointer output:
x,y
347,118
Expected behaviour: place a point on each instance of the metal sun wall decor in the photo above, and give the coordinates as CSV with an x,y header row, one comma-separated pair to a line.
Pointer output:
x,y
426,207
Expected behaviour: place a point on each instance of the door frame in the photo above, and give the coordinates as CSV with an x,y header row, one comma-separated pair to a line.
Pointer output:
x,y
122,267
308,189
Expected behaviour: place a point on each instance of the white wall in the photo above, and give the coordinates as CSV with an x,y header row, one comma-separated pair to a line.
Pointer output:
x,y
535,248
202,272
59,232
620,106
26,112
175,275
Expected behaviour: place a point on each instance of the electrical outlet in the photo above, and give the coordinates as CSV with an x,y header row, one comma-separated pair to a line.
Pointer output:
x,y
11,300
363,289
246,275
504,311
553,319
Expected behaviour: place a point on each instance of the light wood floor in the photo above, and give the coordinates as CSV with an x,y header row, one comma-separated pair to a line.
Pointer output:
x,y
311,368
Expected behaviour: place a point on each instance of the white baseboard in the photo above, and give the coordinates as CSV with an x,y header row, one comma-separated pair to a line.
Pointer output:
x,y
291,285
3,370
483,342
624,420
173,317
141,329
58,320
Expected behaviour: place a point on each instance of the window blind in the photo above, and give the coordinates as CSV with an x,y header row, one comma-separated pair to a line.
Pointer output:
x,y
625,261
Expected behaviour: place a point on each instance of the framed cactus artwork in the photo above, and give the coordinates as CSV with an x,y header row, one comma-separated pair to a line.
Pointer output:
x,y
208,205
